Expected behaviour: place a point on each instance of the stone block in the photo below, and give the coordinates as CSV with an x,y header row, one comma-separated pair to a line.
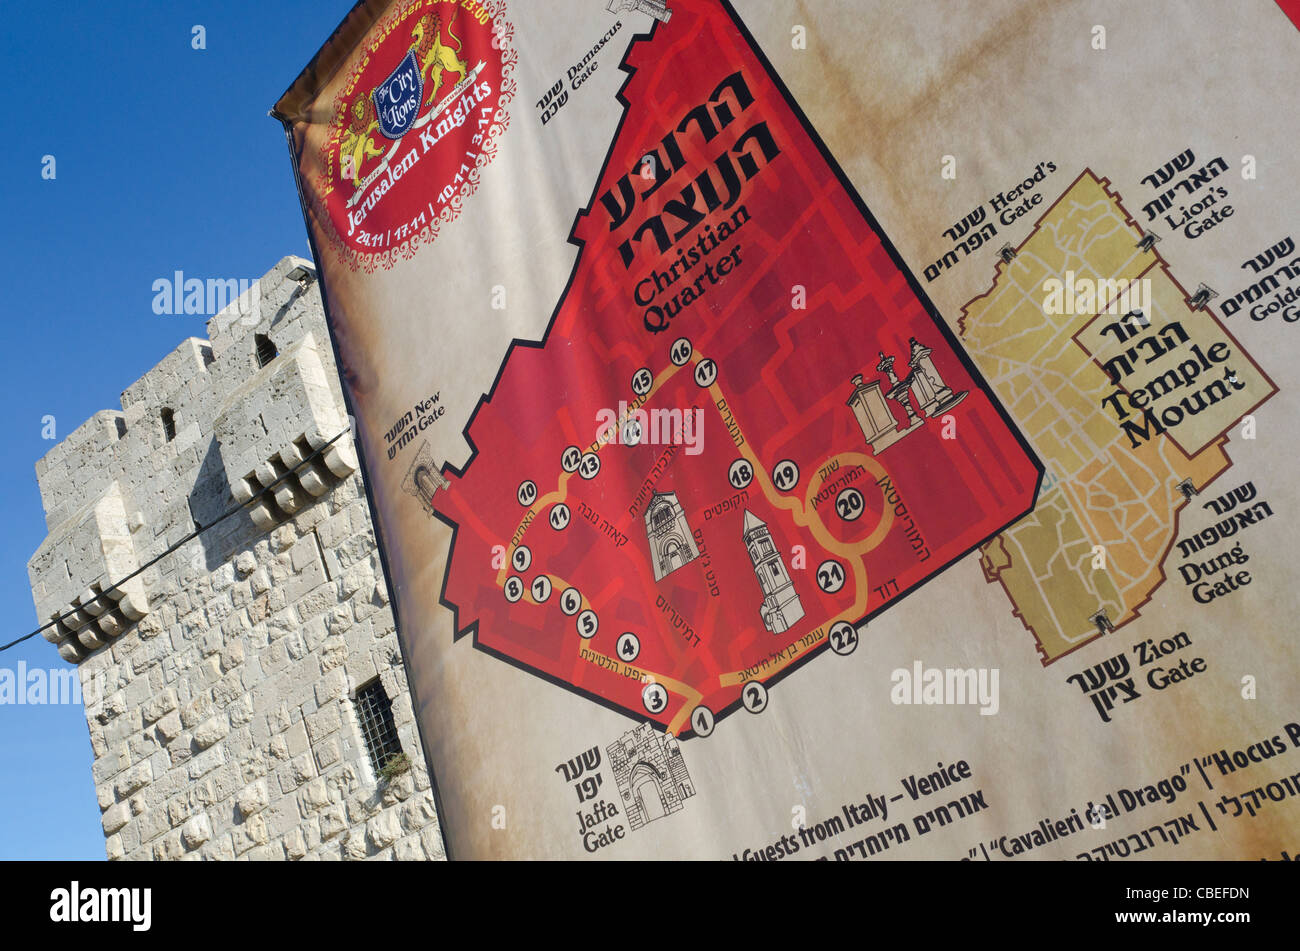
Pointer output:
x,y
115,818
130,835
332,821
169,848
196,831
333,653
315,796
295,845
282,538
245,563
242,712
409,849
354,846
399,789
383,830
211,731
196,711
331,686
205,762
323,722
296,772
327,753
302,556
417,812
221,850
252,799
152,824
296,738
434,847
159,706
179,810
133,779
250,833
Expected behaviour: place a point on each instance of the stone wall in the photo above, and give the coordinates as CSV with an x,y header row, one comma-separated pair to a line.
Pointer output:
x,y
219,683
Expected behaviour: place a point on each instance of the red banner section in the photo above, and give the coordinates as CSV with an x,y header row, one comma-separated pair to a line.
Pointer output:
x,y
745,430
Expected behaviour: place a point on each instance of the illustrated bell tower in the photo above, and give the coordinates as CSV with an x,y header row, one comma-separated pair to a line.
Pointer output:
x,y
781,607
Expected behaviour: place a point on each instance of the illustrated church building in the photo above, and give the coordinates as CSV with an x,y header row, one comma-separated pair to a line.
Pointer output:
x,y
781,608
671,544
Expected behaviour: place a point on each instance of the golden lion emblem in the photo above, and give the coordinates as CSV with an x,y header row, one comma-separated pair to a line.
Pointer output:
x,y
358,140
434,57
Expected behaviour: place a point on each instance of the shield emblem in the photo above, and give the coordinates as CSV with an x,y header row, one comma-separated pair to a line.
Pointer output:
x,y
397,98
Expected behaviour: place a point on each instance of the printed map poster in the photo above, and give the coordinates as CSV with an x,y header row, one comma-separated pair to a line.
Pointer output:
x,y
837,430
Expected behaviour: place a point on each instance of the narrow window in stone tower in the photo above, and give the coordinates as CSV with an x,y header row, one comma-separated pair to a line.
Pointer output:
x,y
266,351
169,424
375,714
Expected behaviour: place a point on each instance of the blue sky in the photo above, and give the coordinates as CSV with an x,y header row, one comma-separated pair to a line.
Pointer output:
x,y
165,160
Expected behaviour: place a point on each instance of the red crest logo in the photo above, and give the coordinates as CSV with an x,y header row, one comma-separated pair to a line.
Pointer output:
x,y
419,118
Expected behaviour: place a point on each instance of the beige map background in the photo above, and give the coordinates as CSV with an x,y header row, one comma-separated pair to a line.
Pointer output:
x,y
892,89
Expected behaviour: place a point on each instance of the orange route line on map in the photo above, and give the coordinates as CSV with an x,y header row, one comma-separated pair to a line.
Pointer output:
x,y
561,493
684,690
800,511
687,692
857,565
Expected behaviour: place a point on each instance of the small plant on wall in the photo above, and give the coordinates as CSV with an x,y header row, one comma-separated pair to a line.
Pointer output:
x,y
394,767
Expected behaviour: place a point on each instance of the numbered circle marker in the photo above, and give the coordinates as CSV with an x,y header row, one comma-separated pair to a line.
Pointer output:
x,y
830,576
559,516
514,589
631,433
527,493
541,588
740,474
570,601
588,623
706,371
843,637
681,352
522,558
786,475
702,721
850,505
590,466
754,697
629,646
570,459
642,380
654,697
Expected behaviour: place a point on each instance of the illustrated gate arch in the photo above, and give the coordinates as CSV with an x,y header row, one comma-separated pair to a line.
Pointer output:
x,y
647,792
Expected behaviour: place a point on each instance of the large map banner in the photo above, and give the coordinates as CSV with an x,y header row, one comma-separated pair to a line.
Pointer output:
x,y
843,431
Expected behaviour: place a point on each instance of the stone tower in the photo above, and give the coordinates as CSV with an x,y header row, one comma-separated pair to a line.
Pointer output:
x,y
241,692
781,607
